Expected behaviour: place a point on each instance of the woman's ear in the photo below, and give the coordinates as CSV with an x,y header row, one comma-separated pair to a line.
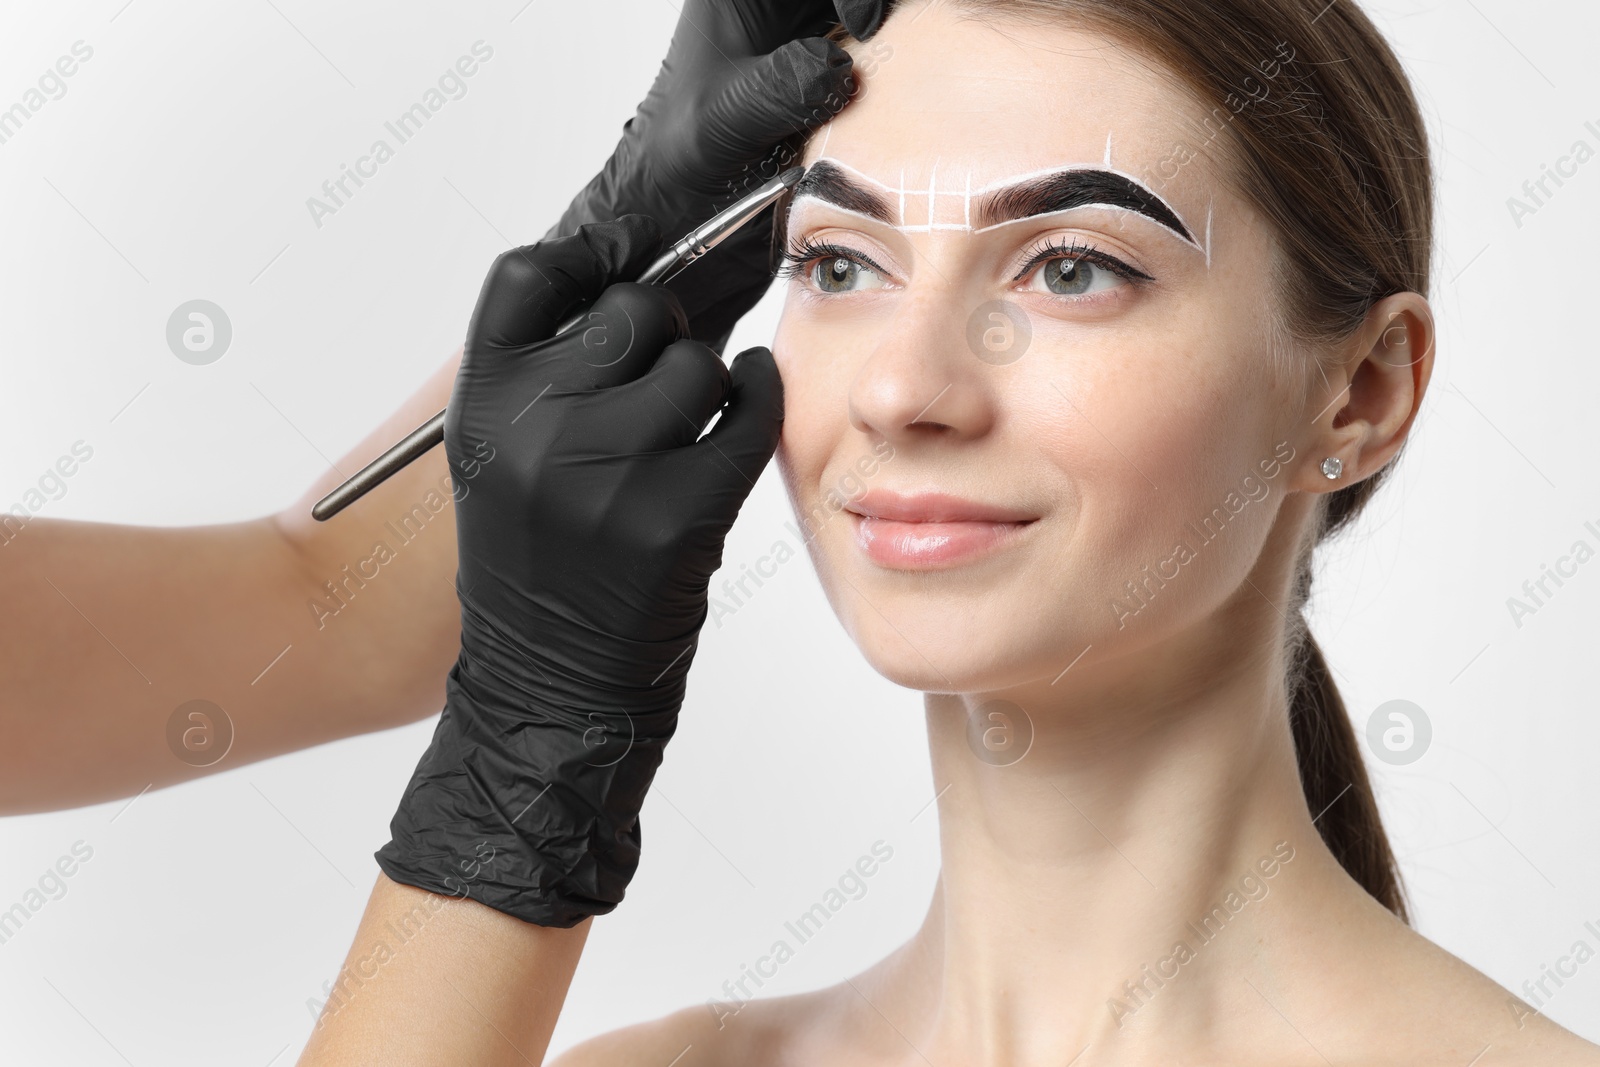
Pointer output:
x,y
1372,395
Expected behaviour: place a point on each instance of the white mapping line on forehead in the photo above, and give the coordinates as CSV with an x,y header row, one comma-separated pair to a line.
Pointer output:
x,y
934,192
899,193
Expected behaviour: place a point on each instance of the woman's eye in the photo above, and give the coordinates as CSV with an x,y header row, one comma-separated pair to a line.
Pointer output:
x,y
841,274
1076,277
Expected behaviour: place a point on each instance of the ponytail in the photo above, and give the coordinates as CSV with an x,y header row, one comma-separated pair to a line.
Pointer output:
x,y
1332,773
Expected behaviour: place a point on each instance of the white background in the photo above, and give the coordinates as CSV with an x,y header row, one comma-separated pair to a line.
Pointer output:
x,y
177,166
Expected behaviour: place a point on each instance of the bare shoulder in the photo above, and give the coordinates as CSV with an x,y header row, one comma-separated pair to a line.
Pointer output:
x,y
1428,1005
767,1031
1544,1043
644,1042
1547,1046
1515,1031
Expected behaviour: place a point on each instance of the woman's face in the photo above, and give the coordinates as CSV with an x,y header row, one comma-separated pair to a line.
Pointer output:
x,y
1028,288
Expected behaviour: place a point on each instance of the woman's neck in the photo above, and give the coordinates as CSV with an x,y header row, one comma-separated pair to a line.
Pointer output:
x,y
1150,850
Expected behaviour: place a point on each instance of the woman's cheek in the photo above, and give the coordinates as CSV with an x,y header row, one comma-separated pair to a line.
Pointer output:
x,y
803,443
1139,441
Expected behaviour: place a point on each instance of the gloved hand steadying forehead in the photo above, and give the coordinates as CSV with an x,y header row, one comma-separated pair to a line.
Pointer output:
x,y
587,539
742,82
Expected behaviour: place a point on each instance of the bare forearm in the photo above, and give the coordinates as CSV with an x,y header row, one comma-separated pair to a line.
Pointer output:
x,y
433,979
300,632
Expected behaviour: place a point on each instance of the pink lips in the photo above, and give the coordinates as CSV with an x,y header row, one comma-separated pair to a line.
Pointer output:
x,y
929,530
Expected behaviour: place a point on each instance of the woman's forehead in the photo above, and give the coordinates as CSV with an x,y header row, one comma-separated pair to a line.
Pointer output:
x,y
950,104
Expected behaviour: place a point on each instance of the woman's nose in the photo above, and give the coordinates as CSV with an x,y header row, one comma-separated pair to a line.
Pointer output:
x,y
923,376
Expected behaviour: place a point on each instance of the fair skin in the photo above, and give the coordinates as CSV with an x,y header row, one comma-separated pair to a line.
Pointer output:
x,y
430,979
145,619
1161,772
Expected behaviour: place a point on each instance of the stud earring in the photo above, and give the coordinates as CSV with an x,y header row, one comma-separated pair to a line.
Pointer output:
x,y
1332,466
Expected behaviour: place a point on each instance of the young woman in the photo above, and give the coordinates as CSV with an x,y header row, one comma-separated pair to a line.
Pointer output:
x,y
1125,298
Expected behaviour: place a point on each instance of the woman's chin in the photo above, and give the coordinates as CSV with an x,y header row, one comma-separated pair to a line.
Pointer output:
x,y
939,662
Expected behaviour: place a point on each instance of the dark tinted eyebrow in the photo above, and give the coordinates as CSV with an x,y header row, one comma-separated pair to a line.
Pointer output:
x,y
830,183
1068,189
1056,191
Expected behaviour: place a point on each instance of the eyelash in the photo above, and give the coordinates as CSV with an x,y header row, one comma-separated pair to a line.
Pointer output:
x,y
801,255
1059,249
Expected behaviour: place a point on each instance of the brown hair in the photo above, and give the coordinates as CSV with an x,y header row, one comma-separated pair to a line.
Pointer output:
x,y
1327,141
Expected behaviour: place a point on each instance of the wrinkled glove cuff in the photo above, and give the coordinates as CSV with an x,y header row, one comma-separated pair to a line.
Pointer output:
x,y
531,811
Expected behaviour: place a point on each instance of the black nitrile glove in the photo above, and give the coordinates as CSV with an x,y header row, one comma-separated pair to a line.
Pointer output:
x,y
589,520
742,82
